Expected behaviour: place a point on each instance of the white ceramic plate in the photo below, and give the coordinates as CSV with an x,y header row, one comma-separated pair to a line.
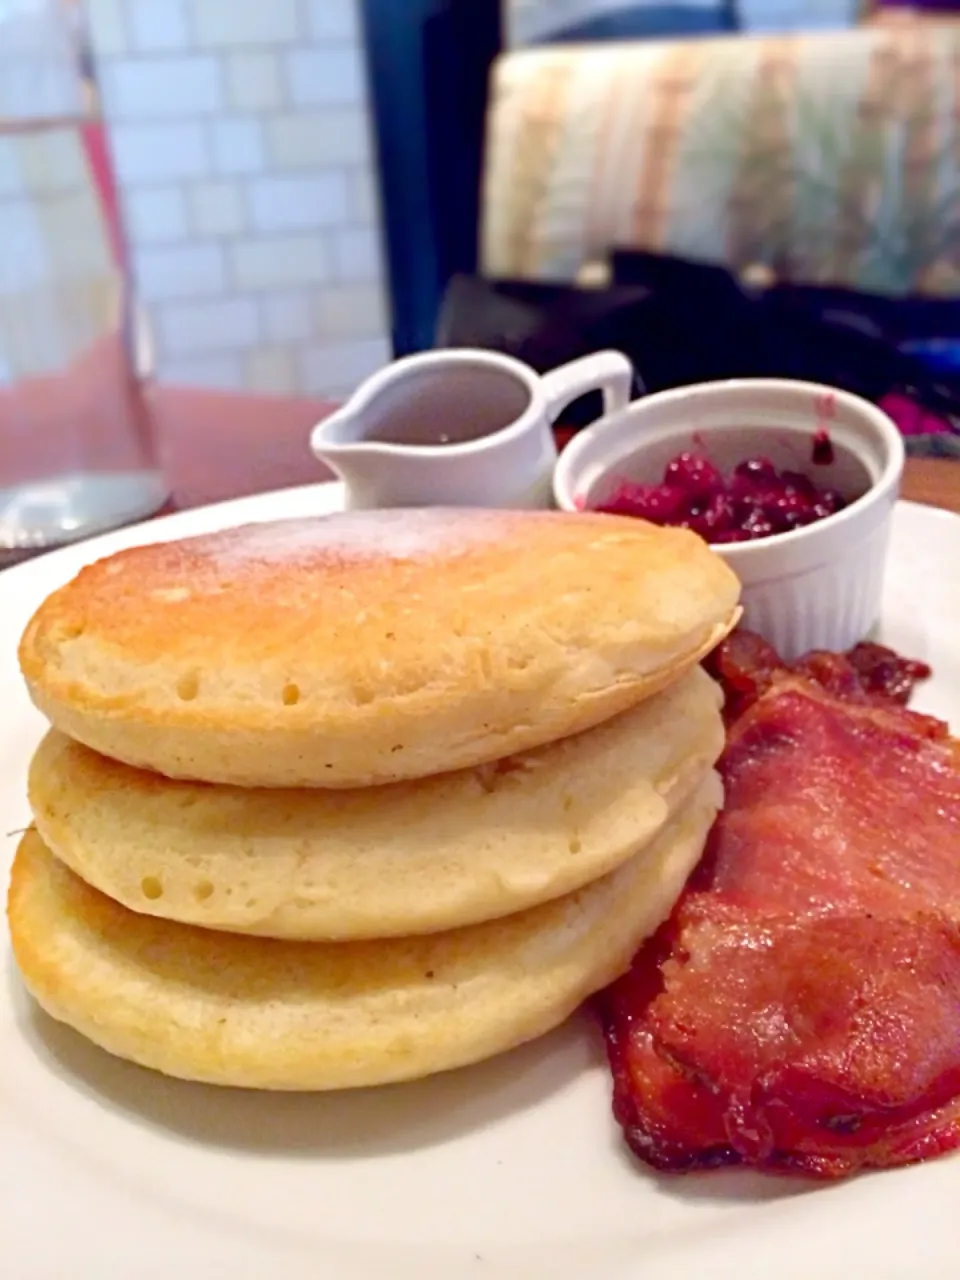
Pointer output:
x,y
513,1170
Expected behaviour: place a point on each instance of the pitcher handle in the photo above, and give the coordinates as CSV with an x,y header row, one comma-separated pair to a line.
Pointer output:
x,y
607,371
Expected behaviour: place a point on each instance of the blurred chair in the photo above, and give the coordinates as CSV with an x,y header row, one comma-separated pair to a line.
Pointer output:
x,y
822,158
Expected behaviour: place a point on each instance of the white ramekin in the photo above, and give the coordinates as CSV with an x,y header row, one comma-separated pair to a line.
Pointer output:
x,y
818,587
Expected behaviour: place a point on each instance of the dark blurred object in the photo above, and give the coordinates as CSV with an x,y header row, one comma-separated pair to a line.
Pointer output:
x,y
544,325
646,21
907,7
428,64
682,322
840,336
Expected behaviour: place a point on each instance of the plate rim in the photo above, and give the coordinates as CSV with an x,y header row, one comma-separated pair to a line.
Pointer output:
x,y
89,549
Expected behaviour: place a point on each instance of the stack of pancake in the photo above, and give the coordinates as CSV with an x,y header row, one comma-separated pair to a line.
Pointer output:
x,y
343,801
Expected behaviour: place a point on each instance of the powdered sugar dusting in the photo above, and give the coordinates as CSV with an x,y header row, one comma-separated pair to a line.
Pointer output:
x,y
355,535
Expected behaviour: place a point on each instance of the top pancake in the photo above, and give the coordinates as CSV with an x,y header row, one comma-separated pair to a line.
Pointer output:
x,y
370,647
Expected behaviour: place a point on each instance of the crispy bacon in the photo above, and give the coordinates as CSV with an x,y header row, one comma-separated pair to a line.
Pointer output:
x,y
746,666
800,1010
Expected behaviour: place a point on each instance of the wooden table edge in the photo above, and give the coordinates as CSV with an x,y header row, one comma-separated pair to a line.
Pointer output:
x,y
934,482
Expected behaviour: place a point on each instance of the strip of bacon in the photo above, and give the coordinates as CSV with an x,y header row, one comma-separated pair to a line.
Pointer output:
x,y
746,666
800,1011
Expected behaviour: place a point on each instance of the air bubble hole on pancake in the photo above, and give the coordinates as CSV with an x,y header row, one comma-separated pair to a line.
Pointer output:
x,y
188,687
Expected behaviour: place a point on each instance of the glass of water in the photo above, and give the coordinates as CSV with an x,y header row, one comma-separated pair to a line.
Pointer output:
x,y
76,443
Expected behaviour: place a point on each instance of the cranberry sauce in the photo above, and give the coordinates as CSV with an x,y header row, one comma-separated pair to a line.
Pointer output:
x,y
753,501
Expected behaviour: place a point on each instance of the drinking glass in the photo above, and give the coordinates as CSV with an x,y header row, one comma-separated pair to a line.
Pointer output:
x,y
77,454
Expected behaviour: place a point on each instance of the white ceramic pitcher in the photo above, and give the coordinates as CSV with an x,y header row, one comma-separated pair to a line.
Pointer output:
x,y
460,428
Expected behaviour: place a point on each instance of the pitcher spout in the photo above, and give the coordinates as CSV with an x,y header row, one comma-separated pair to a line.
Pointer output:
x,y
339,430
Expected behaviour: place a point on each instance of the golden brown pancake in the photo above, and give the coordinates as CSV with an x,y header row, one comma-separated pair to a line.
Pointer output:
x,y
374,646
266,1014
413,857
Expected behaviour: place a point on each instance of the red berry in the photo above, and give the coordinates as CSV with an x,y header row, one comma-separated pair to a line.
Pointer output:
x,y
790,511
746,492
760,470
664,503
694,473
718,514
831,500
797,482
657,503
624,499
758,525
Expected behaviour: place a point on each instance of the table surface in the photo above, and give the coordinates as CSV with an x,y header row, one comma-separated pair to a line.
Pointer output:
x,y
216,446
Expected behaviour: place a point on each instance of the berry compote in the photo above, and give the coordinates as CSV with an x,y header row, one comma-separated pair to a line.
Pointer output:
x,y
754,501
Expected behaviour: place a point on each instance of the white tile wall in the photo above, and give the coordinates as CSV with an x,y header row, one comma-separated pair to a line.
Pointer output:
x,y
288,317
272,369
11,174
241,138
190,270
108,22
286,202
237,145
154,88
228,23
322,76
332,20
349,311
157,26
364,200
218,372
156,214
341,365
146,153
306,139
254,82
356,253
267,261
190,327
217,208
